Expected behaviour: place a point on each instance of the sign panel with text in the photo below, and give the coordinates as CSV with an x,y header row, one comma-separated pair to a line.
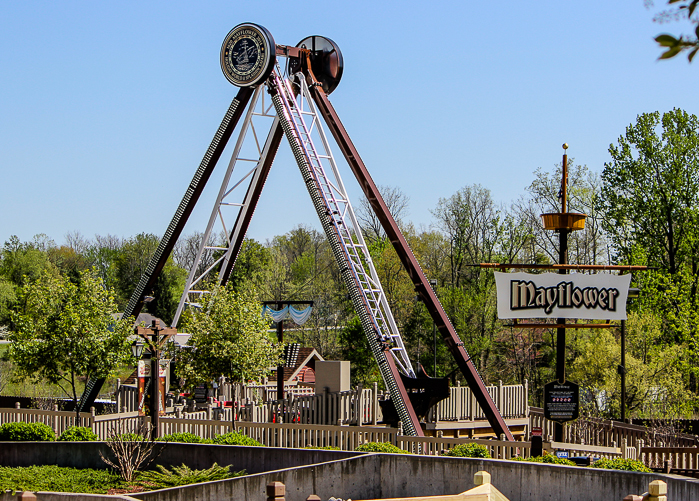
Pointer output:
x,y
549,295
561,401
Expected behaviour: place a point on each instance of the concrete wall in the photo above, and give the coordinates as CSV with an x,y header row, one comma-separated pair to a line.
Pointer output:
x,y
66,496
388,475
197,456
357,476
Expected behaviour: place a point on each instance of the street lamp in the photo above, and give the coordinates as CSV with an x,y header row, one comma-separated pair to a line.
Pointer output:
x,y
137,349
433,284
632,294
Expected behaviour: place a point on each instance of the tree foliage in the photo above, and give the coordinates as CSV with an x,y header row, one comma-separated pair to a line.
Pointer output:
x,y
674,45
650,191
66,331
229,337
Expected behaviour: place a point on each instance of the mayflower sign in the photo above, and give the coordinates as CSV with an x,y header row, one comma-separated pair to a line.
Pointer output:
x,y
548,295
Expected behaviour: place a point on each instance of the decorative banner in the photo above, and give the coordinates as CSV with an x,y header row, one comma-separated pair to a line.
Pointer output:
x,y
550,295
298,316
144,368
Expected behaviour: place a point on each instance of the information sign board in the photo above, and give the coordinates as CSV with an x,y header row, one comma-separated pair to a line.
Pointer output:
x,y
561,401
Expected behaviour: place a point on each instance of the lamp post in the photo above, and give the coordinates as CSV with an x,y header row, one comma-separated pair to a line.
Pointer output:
x,y
433,284
155,337
633,293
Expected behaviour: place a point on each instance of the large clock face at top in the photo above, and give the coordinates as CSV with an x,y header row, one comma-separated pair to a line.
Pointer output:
x,y
248,55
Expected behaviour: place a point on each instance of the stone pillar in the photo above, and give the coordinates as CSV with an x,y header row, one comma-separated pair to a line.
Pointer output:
x,y
657,491
276,491
481,478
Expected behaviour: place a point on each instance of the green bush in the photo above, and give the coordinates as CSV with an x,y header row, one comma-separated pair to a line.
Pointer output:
x,y
380,447
547,458
128,437
187,438
26,432
621,464
469,451
183,475
235,438
53,478
78,434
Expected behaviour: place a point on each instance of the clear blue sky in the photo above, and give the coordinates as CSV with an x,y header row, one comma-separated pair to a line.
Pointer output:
x,y
106,108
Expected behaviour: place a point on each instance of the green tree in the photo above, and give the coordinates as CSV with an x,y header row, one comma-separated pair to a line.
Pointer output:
x,y
229,338
23,262
355,349
650,191
131,261
66,331
654,380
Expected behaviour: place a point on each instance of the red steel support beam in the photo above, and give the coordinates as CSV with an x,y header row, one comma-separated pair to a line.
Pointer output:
x,y
410,263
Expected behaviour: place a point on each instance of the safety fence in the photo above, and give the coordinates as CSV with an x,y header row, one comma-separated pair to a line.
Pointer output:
x,y
511,401
675,458
59,421
281,434
607,433
361,406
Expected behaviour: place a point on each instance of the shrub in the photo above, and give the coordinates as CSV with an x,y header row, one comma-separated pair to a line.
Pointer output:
x,y
183,475
547,458
621,464
235,438
187,438
126,437
26,432
380,447
469,451
78,434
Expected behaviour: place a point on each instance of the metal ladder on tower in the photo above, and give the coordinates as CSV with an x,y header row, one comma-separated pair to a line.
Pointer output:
x,y
350,250
338,210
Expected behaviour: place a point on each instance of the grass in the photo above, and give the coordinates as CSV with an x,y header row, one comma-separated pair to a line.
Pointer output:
x,y
53,478
57,479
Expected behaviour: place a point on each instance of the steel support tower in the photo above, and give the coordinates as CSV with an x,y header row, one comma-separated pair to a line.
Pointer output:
x,y
295,105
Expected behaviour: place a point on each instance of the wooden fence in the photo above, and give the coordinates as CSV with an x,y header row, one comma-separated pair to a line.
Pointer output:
x,y
605,433
511,401
59,421
314,435
360,406
676,458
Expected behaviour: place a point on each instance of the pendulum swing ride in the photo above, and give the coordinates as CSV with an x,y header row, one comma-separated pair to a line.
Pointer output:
x,y
295,103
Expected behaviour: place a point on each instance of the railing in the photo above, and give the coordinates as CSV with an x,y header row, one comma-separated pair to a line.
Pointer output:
x,y
680,458
576,450
59,421
126,397
434,446
204,428
360,406
296,435
604,432
511,401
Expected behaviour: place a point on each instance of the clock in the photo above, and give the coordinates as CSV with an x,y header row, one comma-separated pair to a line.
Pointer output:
x,y
248,55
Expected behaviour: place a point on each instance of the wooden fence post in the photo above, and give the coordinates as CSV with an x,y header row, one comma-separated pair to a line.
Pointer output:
x,y
374,404
501,399
526,398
